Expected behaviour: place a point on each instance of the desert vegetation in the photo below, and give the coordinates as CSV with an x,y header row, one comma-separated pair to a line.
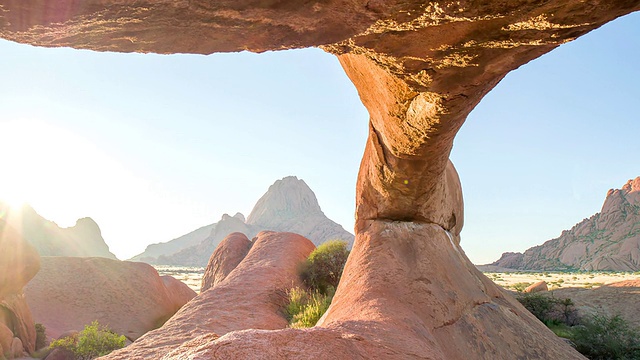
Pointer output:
x,y
320,274
597,336
94,341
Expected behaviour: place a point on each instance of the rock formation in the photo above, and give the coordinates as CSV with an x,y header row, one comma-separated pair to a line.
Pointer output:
x,y
540,286
408,290
608,240
229,253
291,206
82,239
251,296
131,298
19,262
288,206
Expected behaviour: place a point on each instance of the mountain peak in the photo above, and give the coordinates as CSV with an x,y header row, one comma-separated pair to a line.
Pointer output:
x,y
608,240
288,197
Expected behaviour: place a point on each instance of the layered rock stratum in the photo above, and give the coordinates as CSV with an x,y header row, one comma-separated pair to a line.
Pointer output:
x,y
289,205
84,239
408,290
19,263
129,297
608,240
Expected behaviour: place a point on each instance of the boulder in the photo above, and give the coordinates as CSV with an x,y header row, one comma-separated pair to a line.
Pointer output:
x,y
252,296
6,337
17,349
179,292
17,316
229,253
129,297
19,262
540,286
60,354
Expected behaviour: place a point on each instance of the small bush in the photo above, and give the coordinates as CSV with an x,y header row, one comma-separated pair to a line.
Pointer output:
x,y
323,268
519,287
92,342
600,337
548,309
306,308
41,336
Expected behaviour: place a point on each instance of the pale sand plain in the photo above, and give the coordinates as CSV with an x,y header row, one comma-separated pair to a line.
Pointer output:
x,y
556,280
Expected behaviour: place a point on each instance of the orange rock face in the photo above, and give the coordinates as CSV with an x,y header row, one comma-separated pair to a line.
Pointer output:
x,y
129,297
420,68
252,296
229,253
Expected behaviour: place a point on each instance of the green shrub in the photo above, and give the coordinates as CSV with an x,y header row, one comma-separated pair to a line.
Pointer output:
x,y
306,308
548,309
323,268
41,336
94,341
298,300
519,287
600,337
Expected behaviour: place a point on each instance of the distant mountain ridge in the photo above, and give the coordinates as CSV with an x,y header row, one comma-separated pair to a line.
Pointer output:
x,y
84,239
608,240
289,205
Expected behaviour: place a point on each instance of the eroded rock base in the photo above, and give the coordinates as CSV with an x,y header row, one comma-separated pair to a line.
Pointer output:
x,y
409,292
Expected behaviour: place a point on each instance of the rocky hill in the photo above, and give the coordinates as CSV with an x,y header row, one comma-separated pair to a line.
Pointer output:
x,y
288,206
608,240
84,239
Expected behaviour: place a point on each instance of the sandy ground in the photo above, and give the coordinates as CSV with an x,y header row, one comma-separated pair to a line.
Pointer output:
x,y
556,280
192,276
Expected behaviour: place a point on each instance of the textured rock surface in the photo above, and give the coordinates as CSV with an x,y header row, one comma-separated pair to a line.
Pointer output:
x,y
229,253
608,240
288,206
131,298
252,296
419,68
620,298
82,239
19,262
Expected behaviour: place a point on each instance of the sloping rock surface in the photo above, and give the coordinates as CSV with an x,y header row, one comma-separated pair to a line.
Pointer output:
x,y
229,253
129,297
252,296
84,239
608,240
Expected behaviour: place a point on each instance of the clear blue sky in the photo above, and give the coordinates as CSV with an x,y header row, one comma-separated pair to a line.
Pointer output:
x,y
154,146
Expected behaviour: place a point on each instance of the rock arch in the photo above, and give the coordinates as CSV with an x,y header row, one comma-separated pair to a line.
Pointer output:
x,y
420,68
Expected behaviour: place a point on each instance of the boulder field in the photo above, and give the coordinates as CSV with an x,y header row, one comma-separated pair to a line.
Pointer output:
x,y
408,290
19,262
131,298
